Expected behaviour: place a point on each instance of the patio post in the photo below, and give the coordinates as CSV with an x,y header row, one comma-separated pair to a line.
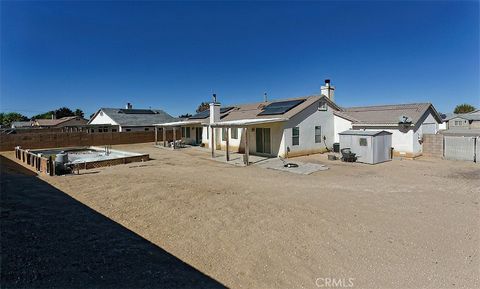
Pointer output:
x,y
247,149
156,135
174,137
164,136
227,155
213,142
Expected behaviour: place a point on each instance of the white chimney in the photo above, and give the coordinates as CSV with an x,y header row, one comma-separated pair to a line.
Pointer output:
x,y
214,110
328,90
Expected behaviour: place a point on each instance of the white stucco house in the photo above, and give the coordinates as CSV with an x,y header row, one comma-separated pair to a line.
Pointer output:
x,y
406,122
130,119
301,126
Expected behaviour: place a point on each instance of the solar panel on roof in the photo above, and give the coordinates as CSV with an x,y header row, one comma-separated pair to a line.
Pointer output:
x,y
137,111
226,109
280,107
206,113
201,115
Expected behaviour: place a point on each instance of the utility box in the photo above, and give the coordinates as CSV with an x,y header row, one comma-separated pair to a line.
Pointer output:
x,y
370,146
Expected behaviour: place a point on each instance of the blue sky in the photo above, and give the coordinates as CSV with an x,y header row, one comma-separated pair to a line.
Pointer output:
x,y
173,55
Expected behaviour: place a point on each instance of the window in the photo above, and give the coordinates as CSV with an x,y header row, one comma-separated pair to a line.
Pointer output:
x,y
363,142
92,130
234,133
147,129
128,129
114,130
296,136
318,134
224,133
187,132
322,106
105,129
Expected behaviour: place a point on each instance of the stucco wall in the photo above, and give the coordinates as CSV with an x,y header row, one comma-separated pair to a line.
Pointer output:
x,y
340,124
102,118
306,121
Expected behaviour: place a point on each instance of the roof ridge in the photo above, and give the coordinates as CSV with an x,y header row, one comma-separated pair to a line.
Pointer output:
x,y
386,105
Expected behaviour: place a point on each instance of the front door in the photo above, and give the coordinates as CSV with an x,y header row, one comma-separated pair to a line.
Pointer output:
x,y
263,141
198,135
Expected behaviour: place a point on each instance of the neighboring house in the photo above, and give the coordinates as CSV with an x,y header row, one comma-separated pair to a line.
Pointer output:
x,y
60,122
21,124
130,119
304,125
51,123
464,121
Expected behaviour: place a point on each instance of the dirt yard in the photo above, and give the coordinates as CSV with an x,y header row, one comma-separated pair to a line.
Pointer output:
x,y
400,224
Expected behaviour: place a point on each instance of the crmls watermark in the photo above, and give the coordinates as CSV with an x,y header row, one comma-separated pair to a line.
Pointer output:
x,y
328,282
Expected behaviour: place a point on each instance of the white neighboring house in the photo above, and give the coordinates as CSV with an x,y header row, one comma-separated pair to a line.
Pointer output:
x,y
407,137
130,119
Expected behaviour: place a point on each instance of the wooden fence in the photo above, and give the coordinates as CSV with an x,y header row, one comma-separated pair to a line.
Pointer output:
x,y
75,139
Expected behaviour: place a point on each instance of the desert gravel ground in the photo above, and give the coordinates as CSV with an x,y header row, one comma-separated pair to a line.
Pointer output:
x,y
400,224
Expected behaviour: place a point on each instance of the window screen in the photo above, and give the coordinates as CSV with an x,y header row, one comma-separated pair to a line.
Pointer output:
x,y
318,134
363,142
224,134
296,136
234,133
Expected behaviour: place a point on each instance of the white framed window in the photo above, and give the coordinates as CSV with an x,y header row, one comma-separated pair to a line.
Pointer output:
x,y
234,133
363,142
224,133
318,134
296,136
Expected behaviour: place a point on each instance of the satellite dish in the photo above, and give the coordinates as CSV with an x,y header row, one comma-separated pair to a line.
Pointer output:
x,y
404,120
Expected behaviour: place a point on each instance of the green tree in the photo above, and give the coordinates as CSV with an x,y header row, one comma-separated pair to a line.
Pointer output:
x,y
79,112
6,119
202,107
463,108
58,113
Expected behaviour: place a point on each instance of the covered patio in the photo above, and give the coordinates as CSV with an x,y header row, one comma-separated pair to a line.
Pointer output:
x,y
176,128
245,125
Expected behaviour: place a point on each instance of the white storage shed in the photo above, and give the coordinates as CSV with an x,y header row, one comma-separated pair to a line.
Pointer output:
x,y
370,147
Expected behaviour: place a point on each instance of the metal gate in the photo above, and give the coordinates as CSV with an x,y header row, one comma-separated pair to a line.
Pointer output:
x,y
460,148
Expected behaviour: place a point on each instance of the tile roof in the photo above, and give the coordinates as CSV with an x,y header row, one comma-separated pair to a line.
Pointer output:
x,y
138,117
387,114
474,115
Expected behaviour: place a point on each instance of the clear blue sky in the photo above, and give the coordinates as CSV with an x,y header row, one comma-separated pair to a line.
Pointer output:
x,y
173,55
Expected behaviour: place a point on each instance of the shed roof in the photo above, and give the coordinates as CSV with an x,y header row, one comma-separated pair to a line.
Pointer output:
x,y
137,117
364,132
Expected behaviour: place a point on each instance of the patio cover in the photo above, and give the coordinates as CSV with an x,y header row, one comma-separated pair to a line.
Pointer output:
x,y
178,123
247,122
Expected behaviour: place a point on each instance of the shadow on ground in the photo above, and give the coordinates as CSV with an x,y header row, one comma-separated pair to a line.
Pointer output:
x,y
49,239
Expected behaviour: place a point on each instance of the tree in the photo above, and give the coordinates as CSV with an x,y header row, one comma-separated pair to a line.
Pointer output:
x,y
202,107
187,115
79,112
6,119
463,108
58,113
